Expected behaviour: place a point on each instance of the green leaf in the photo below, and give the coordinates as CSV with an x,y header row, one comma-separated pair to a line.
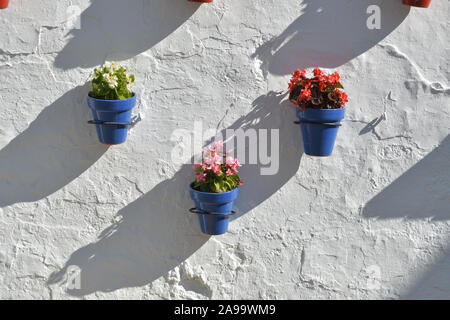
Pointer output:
x,y
102,89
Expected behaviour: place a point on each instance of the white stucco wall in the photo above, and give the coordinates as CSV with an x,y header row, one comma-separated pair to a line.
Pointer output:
x,y
372,221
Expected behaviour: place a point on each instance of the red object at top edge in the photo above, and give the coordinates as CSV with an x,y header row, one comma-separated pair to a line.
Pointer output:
x,y
4,4
417,3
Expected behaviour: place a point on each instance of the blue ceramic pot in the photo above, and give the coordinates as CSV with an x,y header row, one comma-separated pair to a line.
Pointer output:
x,y
111,112
217,208
319,129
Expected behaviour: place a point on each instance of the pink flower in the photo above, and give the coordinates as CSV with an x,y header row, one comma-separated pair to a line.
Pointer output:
x,y
197,165
200,176
229,161
213,159
216,168
218,145
236,164
233,163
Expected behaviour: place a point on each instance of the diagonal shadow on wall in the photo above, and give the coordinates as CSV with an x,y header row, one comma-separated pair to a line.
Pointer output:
x,y
422,191
54,150
120,29
156,233
328,34
434,284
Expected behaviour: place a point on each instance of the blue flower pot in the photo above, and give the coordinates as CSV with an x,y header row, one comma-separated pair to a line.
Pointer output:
x,y
112,118
217,208
319,129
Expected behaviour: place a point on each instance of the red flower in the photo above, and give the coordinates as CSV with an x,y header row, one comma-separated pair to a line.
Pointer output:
x,y
317,72
292,83
296,78
342,96
323,86
334,78
299,73
306,83
305,94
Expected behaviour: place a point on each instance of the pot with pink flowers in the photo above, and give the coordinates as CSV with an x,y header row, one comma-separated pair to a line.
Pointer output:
x,y
215,188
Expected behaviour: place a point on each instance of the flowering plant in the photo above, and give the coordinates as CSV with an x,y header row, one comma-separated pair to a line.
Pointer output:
x,y
320,92
217,172
111,83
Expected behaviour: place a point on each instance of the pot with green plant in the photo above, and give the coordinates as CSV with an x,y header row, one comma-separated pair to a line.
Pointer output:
x,y
111,102
320,108
215,189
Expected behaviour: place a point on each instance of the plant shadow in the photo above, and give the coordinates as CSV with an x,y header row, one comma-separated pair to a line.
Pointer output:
x,y
328,34
156,233
55,149
119,30
421,192
270,112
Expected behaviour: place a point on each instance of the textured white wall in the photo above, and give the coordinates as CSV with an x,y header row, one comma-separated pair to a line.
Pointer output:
x,y
372,221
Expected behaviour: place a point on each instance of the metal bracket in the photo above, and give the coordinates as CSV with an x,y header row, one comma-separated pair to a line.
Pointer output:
x,y
194,210
108,123
330,124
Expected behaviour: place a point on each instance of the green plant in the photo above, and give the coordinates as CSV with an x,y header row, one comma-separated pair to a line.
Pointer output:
x,y
217,172
111,83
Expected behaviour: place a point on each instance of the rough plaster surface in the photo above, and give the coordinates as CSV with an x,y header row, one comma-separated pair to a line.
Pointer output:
x,y
372,221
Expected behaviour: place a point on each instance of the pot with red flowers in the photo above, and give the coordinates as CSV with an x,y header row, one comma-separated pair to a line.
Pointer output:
x,y
417,3
320,103
4,4
215,188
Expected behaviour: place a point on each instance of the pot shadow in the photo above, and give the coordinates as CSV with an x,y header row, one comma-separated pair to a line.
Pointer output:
x,y
156,233
119,30
55,149
328,34
422,191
